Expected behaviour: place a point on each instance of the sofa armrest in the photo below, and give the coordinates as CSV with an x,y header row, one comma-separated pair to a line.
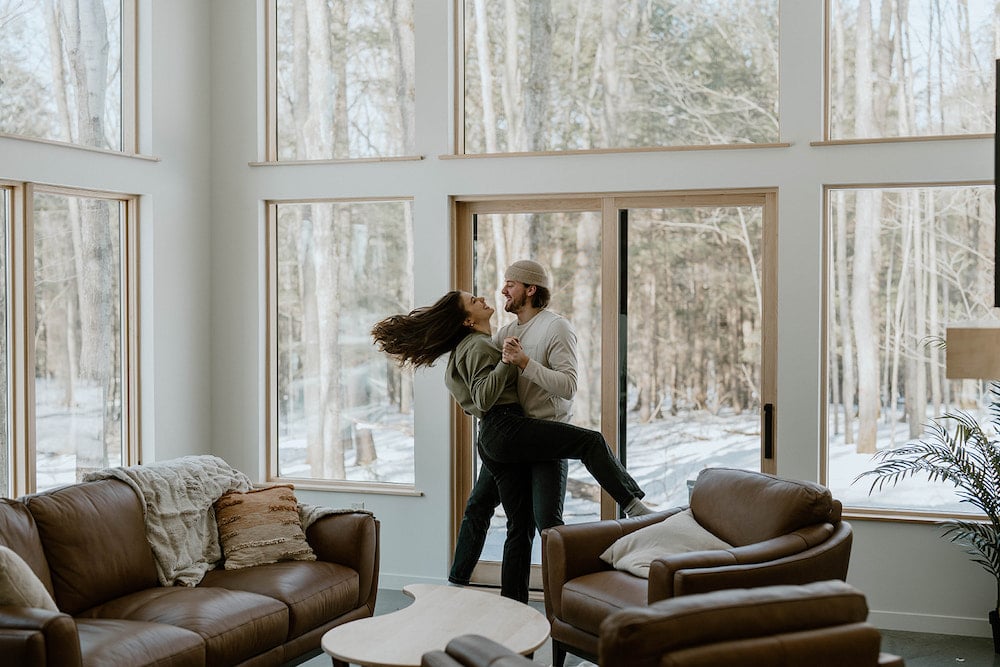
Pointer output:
x,y
38,638
572,550
350,539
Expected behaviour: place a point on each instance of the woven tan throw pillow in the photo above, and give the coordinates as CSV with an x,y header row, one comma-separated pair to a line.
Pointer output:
x,y
261,526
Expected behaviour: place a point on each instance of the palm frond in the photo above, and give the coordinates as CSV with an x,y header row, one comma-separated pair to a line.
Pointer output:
x,y
980,540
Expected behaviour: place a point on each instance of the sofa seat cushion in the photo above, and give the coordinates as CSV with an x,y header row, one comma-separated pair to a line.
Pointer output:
x,y
235,625
315,591
114,642
589,599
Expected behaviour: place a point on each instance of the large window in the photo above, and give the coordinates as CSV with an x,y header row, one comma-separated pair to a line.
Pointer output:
x,y
341,80
672,299
923,68
342,412
81,338
583,75
904,262
69,358
67,71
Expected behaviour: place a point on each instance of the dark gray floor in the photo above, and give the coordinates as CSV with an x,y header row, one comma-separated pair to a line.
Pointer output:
x,y
917,648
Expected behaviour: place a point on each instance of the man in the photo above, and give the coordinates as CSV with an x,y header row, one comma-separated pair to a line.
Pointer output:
x,y
543,345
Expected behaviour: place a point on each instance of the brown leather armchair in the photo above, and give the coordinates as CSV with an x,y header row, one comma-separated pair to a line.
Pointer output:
x,y
781,532
822,624
816,625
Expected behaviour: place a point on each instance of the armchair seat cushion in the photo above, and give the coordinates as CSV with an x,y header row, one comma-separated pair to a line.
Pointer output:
x,y
589,599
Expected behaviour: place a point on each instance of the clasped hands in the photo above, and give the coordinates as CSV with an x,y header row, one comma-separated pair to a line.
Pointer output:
x,y
513,353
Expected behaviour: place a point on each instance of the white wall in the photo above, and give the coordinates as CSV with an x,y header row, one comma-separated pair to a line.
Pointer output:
x,y
202,266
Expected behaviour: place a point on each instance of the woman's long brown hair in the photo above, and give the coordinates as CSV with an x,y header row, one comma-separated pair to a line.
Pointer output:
x,y
424,334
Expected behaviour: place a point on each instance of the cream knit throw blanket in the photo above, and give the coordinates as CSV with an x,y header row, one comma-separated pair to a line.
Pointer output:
x,y
177,497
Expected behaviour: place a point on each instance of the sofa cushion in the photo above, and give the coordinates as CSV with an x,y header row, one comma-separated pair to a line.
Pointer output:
x,y
19,586
744,507
116,643
678,533
104,521
314,592
235,625
19,533
261,526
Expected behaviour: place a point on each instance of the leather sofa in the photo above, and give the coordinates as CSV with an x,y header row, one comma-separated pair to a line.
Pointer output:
x,y
780,532
87,545
822,624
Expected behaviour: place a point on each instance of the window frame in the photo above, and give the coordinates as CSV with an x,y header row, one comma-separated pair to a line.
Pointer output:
x,y
828,96
458,110
129,91
270,110
608,205
21,322
890,514
271,363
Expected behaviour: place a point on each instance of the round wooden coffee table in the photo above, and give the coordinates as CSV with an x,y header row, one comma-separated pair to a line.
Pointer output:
x,y
438,615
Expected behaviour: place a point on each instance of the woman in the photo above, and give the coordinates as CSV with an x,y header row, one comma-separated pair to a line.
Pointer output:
x,y
486,387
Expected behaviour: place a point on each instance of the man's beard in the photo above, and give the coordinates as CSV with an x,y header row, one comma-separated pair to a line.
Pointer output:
x,y
515,304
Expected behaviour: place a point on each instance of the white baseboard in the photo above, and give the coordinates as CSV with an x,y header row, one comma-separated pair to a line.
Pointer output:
x,y
397,581
942,625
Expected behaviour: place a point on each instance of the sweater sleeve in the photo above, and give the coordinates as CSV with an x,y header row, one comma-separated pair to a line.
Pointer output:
x,y
487,376
560,378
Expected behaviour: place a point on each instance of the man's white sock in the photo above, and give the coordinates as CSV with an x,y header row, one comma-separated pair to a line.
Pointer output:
x,y
637,508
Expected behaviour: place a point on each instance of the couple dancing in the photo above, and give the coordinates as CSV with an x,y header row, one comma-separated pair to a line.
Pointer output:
x,y
522,456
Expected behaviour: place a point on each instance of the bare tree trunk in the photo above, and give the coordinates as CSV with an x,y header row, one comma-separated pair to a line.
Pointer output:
x,y
401,21
848,380
537,94
486,77
511,92
865,253
311,403
920,273
586,405
608,66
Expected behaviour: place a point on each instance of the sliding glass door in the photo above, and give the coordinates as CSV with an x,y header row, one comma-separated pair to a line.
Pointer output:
x,y
671,296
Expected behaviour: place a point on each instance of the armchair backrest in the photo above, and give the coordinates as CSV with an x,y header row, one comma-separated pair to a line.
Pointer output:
x,y
745,507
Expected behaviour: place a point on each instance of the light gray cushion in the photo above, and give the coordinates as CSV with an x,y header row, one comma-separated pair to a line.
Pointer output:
x,y
678,533
19,587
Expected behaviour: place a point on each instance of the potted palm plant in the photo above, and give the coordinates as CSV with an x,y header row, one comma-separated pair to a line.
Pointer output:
x,y
960,451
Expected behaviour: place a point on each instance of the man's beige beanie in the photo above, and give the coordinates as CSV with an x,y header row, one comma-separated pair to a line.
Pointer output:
x,y
528,272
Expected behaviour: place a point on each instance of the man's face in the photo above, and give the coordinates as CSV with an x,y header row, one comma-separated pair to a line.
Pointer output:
x,y
516,295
